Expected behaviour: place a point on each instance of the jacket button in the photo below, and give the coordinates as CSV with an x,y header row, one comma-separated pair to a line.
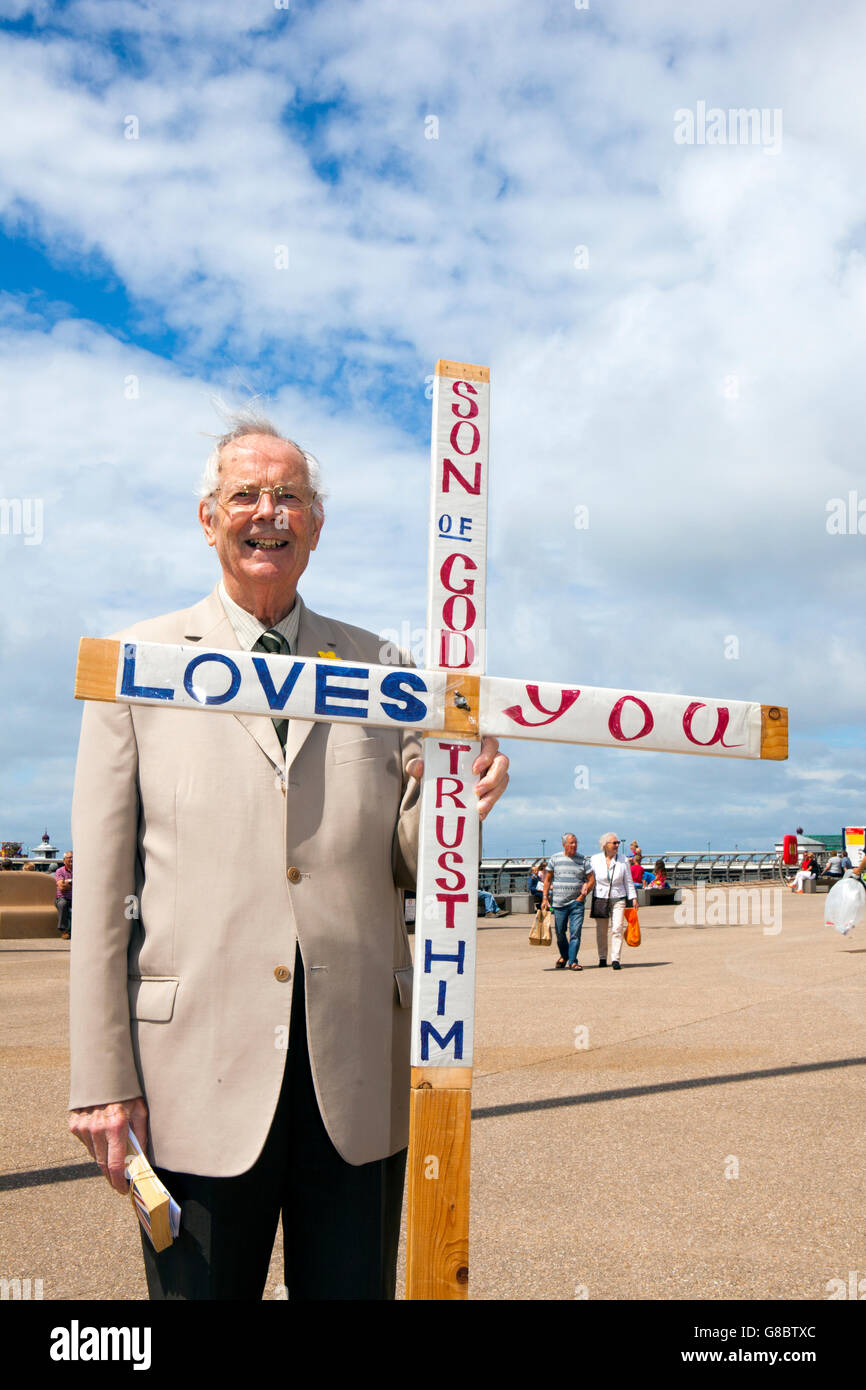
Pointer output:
x,y
293,875
282,972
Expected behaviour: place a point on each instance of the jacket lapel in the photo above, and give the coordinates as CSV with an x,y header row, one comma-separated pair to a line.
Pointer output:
x,y
315,634
208,625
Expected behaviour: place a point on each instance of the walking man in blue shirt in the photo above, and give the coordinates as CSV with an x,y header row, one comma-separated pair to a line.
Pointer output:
x,y
572,880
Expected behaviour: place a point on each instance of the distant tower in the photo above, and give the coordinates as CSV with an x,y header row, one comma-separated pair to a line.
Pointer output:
x,y
46,850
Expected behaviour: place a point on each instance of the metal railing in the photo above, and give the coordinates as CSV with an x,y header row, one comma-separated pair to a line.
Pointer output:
x,y
18,861
509,875
505,875
720,866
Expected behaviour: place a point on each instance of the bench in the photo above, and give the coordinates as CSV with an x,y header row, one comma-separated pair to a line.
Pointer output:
x,y
822,884
519,902
502,902
652,897
27,907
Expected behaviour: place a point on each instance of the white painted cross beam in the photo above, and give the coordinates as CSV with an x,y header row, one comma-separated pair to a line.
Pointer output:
x,y
332,691
451,704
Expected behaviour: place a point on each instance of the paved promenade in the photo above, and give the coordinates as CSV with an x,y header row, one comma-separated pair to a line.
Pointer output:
x,y
688,1127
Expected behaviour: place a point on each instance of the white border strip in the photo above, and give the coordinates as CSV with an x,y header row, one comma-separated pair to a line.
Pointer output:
x,y
296,687
236,682
443,997
457,573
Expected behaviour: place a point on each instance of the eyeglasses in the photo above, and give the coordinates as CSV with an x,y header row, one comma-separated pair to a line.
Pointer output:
x,y
245,497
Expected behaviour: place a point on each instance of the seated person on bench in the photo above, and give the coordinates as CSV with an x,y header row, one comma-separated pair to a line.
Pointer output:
x,y
835,866
808,869
660,878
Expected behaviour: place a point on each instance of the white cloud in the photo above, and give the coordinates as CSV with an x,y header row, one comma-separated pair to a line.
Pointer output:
x,y
697,386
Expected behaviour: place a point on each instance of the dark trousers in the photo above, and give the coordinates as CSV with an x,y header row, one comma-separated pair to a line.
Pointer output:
x,y
341,1223
64,914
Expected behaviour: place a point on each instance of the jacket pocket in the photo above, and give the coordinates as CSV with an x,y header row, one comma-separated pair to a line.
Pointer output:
x,y
403,984
152,999
357,750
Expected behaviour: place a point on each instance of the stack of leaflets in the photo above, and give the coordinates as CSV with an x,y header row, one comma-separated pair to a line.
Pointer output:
x,y
154,1205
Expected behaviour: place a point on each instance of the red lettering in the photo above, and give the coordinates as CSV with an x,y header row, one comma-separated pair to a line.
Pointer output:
x,y
448,613
458,828
449,899
453,749
445,574
723,716
448,468
473,405
615,721
454,436
452,796
566,700
445,651
449,868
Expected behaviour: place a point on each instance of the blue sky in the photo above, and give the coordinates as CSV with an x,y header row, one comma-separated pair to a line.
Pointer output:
x,y
675,334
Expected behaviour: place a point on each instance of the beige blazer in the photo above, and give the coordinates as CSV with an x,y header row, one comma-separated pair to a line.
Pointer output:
x,y
197,870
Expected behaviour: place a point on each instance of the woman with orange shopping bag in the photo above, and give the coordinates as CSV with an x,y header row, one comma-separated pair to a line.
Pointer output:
x,y
613,889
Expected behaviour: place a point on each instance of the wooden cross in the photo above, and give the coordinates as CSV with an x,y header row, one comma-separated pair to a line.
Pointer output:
x,y
451,704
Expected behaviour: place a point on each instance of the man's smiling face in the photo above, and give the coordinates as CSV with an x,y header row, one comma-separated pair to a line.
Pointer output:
x,y
263,550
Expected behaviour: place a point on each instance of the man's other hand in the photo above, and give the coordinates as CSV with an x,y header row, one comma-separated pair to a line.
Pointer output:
x,y
491,768
102,1130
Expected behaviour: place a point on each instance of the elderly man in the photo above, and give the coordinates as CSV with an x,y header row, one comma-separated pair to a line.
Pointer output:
x,y
63,900
240,967
572,880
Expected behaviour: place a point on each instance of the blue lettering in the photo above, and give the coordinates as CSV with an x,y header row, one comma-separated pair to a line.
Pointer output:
x,y
430,955
324,690
440,1006
409,710
197,661
276,698
455,1032
128,685
446,525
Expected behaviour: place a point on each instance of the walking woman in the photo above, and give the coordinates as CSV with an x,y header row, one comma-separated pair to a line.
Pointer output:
x,y
613,889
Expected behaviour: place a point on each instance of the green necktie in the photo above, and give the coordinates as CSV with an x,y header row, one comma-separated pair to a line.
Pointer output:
x,y
275,644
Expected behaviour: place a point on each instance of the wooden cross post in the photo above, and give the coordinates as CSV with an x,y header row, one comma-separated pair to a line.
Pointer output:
x,y
451,704
449,844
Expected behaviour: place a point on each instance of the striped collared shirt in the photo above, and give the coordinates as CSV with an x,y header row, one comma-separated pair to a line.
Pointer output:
x,y
569,876
248,629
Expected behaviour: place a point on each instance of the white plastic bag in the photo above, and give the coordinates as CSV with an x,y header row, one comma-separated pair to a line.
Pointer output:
x,y
846,905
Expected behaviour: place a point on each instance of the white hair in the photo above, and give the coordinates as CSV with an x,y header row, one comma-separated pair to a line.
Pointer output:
x,y
611,835
569,835
240,424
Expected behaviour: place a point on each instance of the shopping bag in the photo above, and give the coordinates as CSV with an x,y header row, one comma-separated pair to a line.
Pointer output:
x,y
540,933
632,927
845,905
